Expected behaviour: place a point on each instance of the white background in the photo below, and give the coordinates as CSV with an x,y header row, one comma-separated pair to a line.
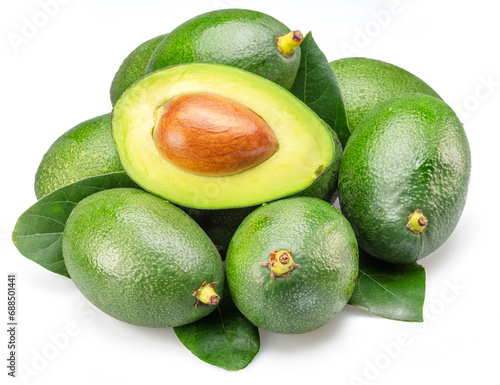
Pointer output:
x,y
60,76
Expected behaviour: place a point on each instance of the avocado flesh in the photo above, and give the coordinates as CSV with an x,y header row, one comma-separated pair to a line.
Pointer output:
x,y
307,146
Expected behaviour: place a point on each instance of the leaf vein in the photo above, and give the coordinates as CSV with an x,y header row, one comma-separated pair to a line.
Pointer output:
x,y
379,284
48,218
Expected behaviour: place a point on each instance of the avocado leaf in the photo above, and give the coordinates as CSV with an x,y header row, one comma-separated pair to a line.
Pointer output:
x,y
391,291
316,85
224,338
38,231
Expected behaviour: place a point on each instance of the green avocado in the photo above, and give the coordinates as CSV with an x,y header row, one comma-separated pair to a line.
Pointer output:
x,y
210,136
141,259
133,67
404,177
84,151
237,37
366,82
292,265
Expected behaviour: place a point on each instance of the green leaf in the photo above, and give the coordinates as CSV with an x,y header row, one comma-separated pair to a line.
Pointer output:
x,y
38,231
316,85
224,338
391,291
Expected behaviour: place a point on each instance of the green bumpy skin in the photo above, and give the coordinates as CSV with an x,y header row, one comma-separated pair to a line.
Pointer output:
x,y
133,67
323,246
236,37
84,151
139,258
409,153
366,82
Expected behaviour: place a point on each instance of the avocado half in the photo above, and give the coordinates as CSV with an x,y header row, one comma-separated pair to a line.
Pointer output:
x,y
290,150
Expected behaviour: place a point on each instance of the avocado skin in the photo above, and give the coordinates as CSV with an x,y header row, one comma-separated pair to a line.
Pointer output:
x,y
323,244
366,82
133,67
410,152
84,151
236,37
139,258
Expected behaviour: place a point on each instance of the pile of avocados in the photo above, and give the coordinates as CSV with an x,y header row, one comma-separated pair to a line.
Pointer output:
x,y
213,183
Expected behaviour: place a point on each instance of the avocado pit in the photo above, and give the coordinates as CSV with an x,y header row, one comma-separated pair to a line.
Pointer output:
x,y
211,135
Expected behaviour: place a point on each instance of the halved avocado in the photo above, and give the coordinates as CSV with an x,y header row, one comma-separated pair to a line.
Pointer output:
x,y
212,136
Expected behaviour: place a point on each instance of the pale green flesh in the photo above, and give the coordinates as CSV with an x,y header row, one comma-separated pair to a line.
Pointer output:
x,y
305,143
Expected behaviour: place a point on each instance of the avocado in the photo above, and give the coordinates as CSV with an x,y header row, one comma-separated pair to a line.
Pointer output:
x,y
84,151
366,82
404,177
211,136
133,67
292,265
141,259
242,38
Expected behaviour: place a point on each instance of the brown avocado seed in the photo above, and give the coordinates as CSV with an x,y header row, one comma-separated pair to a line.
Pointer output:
x,y
211,135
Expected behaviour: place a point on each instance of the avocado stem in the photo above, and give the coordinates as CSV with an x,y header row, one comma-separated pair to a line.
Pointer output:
x,y
280,263
287,43
417,222
206,295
